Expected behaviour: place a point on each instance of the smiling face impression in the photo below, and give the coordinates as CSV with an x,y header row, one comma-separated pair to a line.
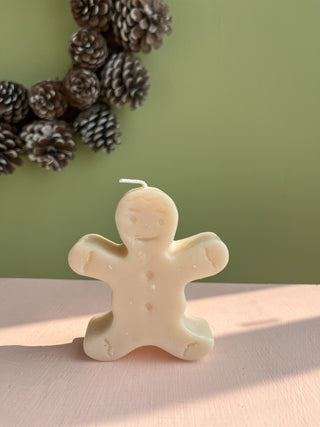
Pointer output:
x,y
146,215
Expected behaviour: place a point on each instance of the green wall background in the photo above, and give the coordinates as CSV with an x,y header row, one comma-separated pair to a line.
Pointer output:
x,y
230,131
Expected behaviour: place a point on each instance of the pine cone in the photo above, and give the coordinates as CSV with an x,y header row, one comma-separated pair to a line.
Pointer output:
x,y
13,102
49,143
10,149
82,88
124,80
95,14
47,99
98,128
140,24
88,49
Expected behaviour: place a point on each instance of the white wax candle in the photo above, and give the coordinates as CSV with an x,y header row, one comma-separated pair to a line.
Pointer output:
x,y
148,273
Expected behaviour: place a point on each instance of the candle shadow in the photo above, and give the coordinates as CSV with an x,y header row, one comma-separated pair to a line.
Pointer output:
x,y
197,290
61,384
43,299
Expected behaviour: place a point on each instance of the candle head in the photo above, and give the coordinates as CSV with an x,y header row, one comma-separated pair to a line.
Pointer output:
x,y
146,215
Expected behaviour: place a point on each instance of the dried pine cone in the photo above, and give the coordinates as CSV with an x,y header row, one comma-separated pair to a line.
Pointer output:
x,y
47,99
140,24
13,102
88,49
92,13
82,88
10,149
98,128
124,80
49,143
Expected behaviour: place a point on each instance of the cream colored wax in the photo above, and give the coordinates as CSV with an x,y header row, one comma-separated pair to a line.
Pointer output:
x,y
148,273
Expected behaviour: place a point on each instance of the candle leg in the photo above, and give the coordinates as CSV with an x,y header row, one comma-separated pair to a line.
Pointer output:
x,y
192,341
96,344
104,341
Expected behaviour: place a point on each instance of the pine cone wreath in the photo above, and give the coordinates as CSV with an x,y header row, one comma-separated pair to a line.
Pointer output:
x,y
140,24
109,27
47,99
10,149
97,127
13,102
95,14
82,88
124,80
88,49
49,143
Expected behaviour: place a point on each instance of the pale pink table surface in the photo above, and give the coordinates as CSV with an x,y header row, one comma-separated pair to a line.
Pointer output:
x,y
263,371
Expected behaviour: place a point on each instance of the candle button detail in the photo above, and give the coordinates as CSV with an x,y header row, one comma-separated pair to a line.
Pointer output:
x,y
148,273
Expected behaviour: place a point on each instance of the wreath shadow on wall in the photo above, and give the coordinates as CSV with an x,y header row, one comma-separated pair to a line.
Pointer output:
x,y
42,123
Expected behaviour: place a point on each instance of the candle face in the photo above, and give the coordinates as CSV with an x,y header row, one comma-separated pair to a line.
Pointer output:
x,y
147,274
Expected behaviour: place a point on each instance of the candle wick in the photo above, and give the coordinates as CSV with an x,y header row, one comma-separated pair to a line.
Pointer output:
x,y
133,181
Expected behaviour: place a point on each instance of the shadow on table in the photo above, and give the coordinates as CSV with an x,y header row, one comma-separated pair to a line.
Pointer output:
x,y
198,290
61,384
36,300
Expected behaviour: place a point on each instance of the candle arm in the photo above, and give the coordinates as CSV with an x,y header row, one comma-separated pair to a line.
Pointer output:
x,y
200,256
97,257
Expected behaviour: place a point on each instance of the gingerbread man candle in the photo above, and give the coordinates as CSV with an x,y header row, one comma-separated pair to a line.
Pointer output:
x,y
147,274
